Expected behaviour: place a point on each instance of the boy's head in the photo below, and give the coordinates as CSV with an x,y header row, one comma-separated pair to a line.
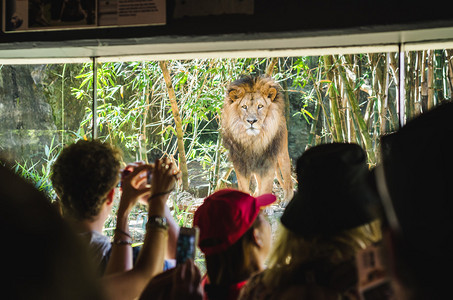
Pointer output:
x,y
83,175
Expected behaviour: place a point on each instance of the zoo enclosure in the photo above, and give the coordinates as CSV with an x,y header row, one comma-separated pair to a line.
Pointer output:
x,y
354,98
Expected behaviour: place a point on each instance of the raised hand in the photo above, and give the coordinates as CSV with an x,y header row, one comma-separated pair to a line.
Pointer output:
x,y
164,177
134,184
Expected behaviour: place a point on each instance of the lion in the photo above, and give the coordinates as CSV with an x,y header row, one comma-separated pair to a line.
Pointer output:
x,y
254,133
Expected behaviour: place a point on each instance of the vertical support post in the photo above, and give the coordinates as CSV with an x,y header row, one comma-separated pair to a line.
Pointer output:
x,y
95,100
401,85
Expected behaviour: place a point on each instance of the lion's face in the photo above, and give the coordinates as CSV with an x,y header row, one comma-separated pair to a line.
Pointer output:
x,y
251,105
252,110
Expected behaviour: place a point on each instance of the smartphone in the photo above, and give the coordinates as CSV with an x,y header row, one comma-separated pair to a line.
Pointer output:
x,y
374,282
186,244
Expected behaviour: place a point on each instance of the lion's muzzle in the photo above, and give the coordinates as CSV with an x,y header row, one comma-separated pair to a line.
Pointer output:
x,y
252,121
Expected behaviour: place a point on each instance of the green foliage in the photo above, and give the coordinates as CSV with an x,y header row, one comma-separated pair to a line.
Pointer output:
x,y
134,112
40,177
302,72
183,216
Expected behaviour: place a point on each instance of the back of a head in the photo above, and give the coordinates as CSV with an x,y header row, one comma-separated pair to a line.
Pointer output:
x,y
226,220
418,166
333,193
83,174
233,265
46,260
328,220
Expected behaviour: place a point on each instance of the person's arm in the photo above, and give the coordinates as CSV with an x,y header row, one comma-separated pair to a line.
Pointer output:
x,y
130,284
120,259
132,190
173,233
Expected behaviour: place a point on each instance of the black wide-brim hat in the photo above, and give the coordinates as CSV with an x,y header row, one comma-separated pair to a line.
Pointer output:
x,y
333,194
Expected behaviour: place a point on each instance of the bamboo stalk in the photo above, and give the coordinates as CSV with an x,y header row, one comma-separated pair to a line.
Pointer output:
x,y
394,124
221,183
142,148
216,175
417,107
363,129
287,103
450,71
423,82
410,105
318,104
270,67
62,104
438,76
374,91
314,123
430,80
384,99
343,108
178,125
332,99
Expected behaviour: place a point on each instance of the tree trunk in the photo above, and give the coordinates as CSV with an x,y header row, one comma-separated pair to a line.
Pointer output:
x,y
178,125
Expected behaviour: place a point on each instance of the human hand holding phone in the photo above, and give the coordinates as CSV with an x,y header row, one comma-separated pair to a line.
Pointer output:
x,y
186,244
163,182
134,183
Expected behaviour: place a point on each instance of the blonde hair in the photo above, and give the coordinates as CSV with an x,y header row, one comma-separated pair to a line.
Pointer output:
x,y
292,250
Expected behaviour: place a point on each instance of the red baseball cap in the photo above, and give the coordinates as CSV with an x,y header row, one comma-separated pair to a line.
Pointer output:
x,y
225,216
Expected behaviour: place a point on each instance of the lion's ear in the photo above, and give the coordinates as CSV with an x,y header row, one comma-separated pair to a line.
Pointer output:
x,y
272,93
236,93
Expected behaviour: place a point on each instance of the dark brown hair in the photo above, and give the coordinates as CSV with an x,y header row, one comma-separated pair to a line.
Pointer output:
x,y
83,175
234,264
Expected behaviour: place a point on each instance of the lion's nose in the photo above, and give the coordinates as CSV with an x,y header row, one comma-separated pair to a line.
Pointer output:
x,y
252,121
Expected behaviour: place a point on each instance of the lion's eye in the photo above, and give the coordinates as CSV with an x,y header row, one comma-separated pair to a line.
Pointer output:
x,y
244,106
260,106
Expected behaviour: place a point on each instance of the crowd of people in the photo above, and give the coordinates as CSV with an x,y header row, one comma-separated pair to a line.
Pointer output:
x,y
349,232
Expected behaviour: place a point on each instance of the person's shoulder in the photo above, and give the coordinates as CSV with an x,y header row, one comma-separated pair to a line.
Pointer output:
x,y
95,237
